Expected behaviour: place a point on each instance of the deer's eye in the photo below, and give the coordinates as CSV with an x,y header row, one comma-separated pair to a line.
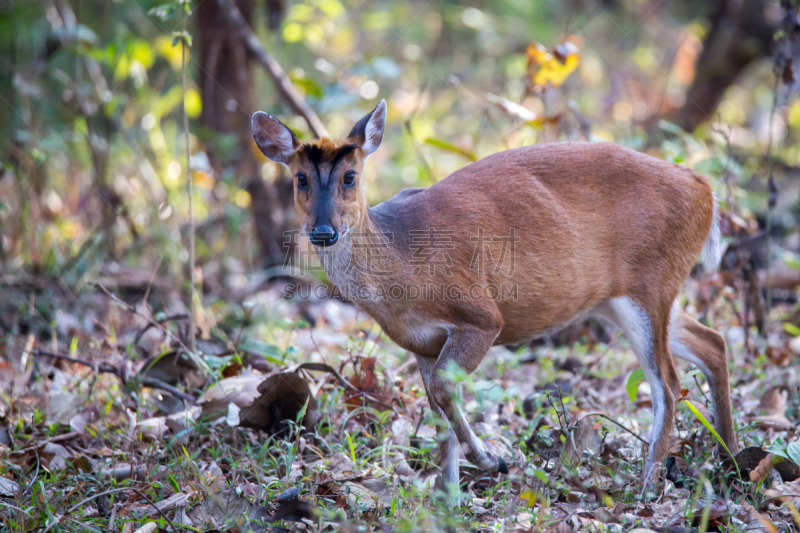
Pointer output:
x,y
350,178
302,182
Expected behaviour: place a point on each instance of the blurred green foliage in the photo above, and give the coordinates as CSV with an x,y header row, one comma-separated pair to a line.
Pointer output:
x,y
452,74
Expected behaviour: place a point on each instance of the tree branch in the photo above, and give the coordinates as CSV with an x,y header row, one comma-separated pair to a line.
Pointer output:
x,y
279,78
104,368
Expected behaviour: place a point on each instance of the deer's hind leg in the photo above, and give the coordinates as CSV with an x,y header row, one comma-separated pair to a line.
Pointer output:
x,y
693,342
645,327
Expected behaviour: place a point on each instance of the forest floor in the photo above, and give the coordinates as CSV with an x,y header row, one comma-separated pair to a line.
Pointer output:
x,y
303,416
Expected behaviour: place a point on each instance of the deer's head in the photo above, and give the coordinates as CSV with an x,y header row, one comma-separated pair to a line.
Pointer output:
x,y
328,186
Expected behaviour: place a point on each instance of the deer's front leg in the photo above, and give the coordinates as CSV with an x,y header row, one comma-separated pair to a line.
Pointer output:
x,y
446,439
466,346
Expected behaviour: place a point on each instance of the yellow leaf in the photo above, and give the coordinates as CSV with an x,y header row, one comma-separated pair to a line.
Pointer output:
x,y
537,54
530,496
551,69
171,53
193,103
142,52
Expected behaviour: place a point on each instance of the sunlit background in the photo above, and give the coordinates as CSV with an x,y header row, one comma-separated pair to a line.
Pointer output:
x,y
94,167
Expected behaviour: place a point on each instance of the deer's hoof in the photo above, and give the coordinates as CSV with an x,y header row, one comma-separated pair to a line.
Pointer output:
x,y
502,467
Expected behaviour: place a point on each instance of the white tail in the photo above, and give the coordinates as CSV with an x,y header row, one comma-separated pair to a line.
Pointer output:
x,y
712,249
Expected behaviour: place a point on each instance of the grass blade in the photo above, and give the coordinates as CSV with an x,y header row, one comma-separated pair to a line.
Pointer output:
x,y
713,431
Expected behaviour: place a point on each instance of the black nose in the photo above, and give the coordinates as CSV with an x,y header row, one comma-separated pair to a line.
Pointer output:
x,y
324,235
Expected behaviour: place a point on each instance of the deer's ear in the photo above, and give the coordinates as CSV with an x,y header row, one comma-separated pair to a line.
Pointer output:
x,y
275,140
368,132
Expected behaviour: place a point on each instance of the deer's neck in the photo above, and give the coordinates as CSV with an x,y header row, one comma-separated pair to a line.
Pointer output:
x,y
359,261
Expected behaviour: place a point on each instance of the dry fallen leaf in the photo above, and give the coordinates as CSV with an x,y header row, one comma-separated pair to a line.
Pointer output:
x,y
282,397
240,390
153,428
342,468
173,368
366,381
147,528
64,404
771,410
783,492
368,494
8,488
402,429
219,507
83,423
176,501
755,516
719,513
749,459
55,456
764,467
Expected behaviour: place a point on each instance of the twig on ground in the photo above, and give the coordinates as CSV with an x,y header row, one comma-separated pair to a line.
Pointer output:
x,y
36,473
322,367
82,502
157,508
375,342
279,78
403,367
64,436
15,508
114,510
708,402
607,417
101,367
155,383
559,414
105,368
171,318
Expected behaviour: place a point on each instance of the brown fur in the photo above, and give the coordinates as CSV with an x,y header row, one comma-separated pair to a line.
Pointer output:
x,y
593,222
709,347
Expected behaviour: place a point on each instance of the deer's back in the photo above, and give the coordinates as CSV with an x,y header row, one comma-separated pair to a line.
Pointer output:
x,y
583,221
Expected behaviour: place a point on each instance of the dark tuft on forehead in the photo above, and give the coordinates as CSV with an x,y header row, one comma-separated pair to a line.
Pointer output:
x,y
327,153
314,153
342,152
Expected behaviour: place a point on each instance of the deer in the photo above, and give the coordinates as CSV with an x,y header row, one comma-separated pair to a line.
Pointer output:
x,y
594,230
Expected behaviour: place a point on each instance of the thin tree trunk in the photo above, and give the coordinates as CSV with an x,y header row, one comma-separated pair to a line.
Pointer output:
x,y
739,34
229,100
